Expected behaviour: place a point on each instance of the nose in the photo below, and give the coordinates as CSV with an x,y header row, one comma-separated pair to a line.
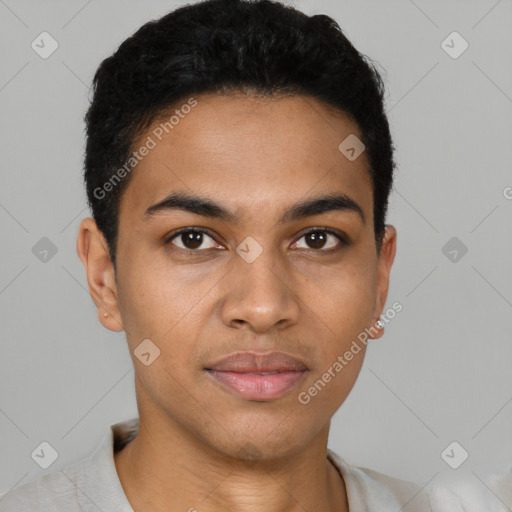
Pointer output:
x,y
260,295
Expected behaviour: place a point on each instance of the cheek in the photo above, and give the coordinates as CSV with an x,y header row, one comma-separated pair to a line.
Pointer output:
x,y
344,282
343,298
341,304
155,296
328,387
170,380
171,317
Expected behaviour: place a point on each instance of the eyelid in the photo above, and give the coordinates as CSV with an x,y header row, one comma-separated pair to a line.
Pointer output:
x,y
343,239
327,229
178,232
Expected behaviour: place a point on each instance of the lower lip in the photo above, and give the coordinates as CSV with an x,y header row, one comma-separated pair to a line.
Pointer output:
x,y
258,387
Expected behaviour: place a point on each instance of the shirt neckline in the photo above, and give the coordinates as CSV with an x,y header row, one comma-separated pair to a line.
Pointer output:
x,y
100,478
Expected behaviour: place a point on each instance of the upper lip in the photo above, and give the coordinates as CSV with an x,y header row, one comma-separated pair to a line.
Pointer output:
x,y
258,362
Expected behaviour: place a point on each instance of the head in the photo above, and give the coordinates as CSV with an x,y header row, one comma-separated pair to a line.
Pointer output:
x,y
228,215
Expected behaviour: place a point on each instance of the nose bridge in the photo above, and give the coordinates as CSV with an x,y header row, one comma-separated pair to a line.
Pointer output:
x,y
259,273
259,292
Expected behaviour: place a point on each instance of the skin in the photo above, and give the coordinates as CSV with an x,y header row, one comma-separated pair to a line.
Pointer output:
x,y
255,157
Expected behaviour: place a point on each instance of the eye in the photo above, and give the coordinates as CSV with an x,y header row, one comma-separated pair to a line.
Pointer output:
x,y
192,239
321,238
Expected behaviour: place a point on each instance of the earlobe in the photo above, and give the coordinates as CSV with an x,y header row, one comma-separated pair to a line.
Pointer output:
x,y
378,328
92,250
109,321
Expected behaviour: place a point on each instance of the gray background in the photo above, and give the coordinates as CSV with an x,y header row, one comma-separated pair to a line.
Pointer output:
x,y
441,373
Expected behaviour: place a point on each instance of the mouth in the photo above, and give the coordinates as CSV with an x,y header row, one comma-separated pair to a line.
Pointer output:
x,y
261,386
257,376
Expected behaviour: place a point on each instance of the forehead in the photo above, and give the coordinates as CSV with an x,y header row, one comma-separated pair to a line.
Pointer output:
x,y
250,153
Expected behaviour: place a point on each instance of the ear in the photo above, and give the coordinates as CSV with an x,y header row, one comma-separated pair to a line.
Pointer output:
x,y
92,249
385,261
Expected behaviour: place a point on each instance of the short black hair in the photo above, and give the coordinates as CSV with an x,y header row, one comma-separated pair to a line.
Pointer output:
x,y
222,46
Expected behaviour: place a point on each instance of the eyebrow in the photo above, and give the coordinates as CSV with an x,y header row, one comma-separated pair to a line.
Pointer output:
x,y
208,208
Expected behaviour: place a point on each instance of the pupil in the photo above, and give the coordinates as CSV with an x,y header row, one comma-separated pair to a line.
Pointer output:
x,y
192,239
316,239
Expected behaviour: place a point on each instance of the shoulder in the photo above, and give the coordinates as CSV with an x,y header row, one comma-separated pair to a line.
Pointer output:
x,y
89,484
370,490
482,494
54,492
501,484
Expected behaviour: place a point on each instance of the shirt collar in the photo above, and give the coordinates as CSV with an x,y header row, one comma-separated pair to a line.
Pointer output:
x,y
99,487
96,479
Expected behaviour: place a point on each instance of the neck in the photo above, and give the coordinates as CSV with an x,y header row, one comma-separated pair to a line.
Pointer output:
x,y
165,465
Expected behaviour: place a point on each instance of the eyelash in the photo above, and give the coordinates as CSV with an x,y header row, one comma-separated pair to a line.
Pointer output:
x,y
341,238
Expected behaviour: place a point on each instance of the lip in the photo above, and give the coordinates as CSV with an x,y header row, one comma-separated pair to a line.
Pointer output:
x,y
241,373
258,362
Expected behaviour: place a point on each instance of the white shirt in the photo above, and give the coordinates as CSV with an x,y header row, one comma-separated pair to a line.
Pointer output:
x,y
491,494
92,485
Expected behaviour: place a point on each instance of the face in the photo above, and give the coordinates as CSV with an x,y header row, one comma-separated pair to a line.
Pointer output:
x,y
248,271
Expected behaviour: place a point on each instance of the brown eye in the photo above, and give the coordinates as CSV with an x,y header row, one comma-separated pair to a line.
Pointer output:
x,y
320,239
192,239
